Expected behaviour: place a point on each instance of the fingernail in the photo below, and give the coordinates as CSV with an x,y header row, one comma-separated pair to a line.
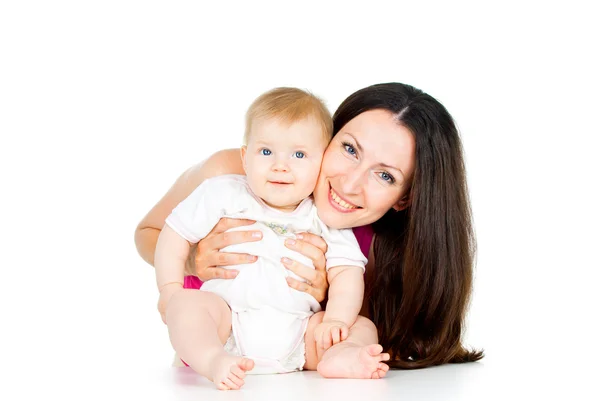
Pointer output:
x,y
299,236
251,257
290,242
234,273
286,260
257,234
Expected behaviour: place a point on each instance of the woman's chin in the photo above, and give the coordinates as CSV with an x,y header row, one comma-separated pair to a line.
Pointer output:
x,y
335,219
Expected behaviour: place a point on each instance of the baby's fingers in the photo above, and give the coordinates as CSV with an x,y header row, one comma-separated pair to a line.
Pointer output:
x,y
319,339
327,343
344,333
335,335
320,336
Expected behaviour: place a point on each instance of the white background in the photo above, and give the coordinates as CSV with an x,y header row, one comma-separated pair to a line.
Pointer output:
x,y
104,104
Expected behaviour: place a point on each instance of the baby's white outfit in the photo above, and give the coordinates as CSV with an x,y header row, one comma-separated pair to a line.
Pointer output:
x,y
269,318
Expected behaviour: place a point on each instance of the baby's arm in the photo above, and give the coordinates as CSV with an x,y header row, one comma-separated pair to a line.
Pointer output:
x,y
171,254
345,301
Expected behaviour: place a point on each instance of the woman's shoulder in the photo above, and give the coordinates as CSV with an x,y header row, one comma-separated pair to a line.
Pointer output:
x,y
364,231
227,185
223,162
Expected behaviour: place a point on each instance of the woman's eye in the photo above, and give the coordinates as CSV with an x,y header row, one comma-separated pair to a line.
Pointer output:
x,y
299,155
387,177
350,149
265,152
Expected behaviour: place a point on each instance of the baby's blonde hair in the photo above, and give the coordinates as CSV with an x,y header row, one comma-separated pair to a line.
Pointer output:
x,y
289,105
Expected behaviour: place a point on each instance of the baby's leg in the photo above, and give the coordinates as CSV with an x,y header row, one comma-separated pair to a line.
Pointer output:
x,y
359,356
199,323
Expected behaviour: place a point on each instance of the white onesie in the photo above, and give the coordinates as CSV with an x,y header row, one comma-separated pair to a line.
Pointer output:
x,y
269,318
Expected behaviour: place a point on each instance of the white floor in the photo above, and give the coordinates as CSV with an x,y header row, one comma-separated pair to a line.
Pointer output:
x,y
155,381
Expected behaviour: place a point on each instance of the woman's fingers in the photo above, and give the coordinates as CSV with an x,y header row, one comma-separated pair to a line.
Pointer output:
x,y
314,240
220,241
300,286
316,279
316,293
208,255
302,271
309,250
316,284
229,259
219,272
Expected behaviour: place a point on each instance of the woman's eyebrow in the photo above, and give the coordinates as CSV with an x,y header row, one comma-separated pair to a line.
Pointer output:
x,y
393,168
360,148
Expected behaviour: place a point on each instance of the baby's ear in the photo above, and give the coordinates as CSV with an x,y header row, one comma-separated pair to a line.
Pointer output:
x,y
243,154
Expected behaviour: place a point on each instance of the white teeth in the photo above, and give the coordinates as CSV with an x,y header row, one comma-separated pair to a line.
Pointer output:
x,y
339,201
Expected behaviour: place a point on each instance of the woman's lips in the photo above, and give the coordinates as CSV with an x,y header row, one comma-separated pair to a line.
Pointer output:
x,y
340,204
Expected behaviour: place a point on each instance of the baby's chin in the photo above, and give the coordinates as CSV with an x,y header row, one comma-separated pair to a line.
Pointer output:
x,y
287,204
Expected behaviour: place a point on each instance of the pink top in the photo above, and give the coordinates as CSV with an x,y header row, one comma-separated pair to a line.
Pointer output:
x,y
364,236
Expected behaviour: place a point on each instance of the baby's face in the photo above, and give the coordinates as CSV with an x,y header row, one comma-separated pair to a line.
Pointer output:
x,y
282,161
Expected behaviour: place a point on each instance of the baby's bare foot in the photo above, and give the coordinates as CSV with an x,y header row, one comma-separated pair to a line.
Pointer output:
x,y
228,372
347,360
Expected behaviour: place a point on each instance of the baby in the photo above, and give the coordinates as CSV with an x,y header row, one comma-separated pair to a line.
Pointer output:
x,y
287,131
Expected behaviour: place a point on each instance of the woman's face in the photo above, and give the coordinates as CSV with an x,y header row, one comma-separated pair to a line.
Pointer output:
x,y
367,169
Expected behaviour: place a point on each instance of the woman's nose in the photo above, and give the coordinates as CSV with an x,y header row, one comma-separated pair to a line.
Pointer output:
x,y
353,181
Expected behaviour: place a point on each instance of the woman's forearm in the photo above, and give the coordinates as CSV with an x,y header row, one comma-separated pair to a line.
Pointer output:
x,y
145,242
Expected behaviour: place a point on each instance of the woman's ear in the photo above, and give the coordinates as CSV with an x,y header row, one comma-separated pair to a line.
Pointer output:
x,y
402,204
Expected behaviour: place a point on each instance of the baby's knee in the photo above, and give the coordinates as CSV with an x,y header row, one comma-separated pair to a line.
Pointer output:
x,y
365,324
193,299
315,320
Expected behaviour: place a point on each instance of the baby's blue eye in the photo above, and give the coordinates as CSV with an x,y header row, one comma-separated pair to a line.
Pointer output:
x,y
299,155
265,152
350,149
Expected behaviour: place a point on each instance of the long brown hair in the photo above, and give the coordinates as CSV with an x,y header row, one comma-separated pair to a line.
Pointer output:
x,y
420,290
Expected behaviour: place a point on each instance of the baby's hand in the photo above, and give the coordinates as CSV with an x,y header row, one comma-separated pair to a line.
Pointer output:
x,y
166,293
330,332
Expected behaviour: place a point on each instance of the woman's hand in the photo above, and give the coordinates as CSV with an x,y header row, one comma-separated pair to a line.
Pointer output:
x,y
208,258
313,247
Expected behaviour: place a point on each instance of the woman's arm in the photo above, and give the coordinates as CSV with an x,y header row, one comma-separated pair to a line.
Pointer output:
x,y
146,234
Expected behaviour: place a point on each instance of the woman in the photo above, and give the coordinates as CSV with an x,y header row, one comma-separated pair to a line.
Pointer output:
x,y
394,171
